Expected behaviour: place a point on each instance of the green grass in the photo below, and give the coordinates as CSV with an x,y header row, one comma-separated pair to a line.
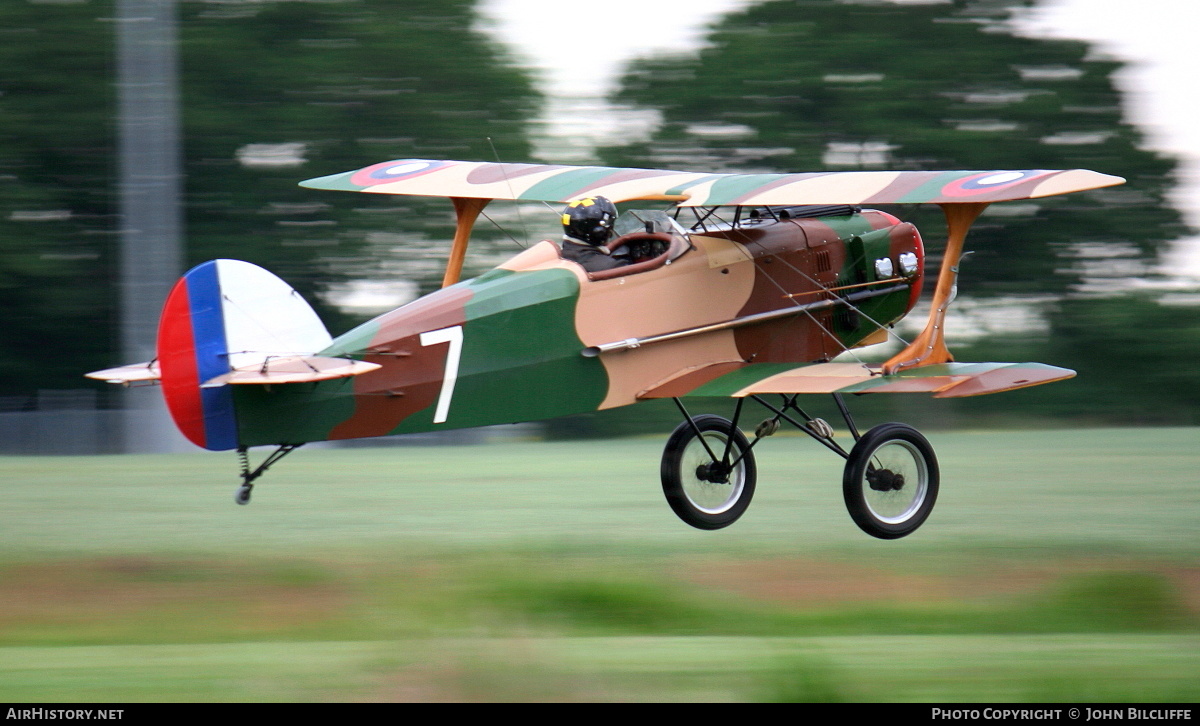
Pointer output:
x,y
1133,490
1057,566
1118,668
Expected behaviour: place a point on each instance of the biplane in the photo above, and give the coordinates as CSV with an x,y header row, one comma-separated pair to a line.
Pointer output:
x,y
746,286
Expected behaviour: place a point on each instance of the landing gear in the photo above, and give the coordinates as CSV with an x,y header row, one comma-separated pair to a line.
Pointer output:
x,y
891,481
242,495
889,484
708,472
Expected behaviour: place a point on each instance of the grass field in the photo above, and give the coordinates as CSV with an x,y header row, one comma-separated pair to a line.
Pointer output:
x,y
1058,565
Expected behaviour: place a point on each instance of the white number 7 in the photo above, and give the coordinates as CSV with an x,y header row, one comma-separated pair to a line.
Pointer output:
x,y
453,336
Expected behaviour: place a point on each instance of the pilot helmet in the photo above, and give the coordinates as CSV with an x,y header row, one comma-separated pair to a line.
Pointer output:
x,y
589,220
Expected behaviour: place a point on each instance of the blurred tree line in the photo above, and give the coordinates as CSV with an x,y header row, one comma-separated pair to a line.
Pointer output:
x,y
272,93
278,91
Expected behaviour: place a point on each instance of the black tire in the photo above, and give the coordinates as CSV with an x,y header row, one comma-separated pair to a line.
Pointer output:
x,y
891,481
703,495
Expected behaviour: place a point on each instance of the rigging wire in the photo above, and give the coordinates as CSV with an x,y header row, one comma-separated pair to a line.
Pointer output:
x,y
503,230
516,202
890,331
736,231
852,306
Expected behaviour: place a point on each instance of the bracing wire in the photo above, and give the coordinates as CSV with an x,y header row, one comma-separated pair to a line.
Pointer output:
x,y
748,241
852,306
503,230
516,202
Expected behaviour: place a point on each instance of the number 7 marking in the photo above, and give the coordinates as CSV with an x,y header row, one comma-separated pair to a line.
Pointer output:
x,y
453,336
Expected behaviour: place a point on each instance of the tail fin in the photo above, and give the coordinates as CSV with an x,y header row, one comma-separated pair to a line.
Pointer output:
x,y
224,315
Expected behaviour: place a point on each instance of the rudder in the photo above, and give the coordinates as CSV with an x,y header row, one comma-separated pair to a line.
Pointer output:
x,y
220,315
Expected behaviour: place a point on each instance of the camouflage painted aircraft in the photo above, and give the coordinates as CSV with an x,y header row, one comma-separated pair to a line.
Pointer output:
x,y
746,286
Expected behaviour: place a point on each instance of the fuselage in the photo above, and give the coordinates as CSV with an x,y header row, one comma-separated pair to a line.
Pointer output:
x,y
509,345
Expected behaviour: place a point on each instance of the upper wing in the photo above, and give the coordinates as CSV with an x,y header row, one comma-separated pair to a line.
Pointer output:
x,y
558,183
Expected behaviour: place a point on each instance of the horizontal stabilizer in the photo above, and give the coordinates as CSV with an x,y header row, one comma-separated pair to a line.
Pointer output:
x,y
292,369
945,380
127,375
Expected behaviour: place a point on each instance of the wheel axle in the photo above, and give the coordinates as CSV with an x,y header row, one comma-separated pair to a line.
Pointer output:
x,y
885,480
714,471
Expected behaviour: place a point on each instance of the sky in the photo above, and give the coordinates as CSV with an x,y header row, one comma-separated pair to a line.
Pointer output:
x,y
579,48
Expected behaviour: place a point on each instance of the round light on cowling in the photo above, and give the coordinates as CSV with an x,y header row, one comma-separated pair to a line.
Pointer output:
x,y
909,264
883,267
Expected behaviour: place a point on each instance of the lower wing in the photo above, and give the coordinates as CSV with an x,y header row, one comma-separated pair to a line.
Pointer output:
x,y
944,380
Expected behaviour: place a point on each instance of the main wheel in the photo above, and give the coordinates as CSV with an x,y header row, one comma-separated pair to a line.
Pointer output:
x,y
891,481
709,487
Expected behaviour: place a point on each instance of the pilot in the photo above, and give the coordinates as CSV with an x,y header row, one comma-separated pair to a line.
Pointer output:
x,y
587,227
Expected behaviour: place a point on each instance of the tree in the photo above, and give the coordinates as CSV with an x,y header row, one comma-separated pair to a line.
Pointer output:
x,y
57,203
287,90
272,93
824,84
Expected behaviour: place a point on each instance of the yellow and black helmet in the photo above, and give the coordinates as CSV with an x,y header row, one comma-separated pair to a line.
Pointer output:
x,y
589,220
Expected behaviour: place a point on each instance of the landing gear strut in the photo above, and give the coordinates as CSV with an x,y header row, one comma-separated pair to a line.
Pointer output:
x,y
890,481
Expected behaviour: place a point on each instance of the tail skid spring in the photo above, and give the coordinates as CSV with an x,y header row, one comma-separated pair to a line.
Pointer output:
x,y
242,496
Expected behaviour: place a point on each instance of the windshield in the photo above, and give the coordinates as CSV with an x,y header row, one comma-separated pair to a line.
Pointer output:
x,y
648,220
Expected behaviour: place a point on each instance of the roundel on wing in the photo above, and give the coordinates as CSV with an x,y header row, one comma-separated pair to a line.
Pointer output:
x,y
390,171
987,181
